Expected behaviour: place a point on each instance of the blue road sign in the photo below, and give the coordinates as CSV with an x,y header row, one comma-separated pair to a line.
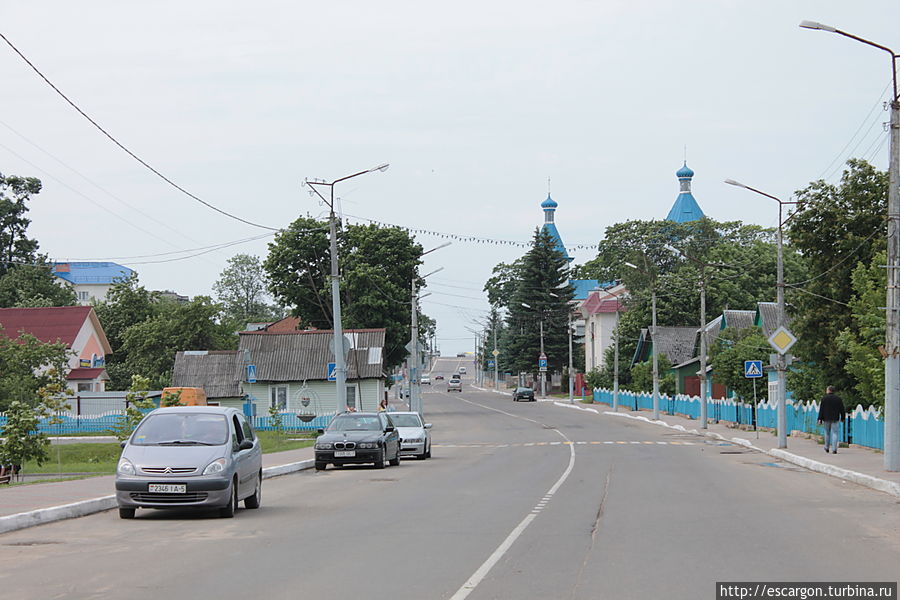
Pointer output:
x,y
753,369
251,373
332,374
542,362
491,363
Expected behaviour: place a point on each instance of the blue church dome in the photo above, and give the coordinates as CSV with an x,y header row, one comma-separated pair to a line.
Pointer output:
x,y
549,203
684,171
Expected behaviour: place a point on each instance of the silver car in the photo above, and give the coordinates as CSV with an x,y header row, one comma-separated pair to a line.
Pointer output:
x,y
415,436
190,456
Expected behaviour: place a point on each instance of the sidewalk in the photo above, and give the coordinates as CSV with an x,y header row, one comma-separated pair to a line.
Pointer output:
x,y
857,464
27,505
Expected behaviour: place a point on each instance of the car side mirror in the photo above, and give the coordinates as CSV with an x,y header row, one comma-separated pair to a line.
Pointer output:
x,y
245,445
389,428
427,425
122,443
320,431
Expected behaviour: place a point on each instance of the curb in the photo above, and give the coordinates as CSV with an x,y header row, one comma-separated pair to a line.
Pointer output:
x,y
869,481
83,508
576,407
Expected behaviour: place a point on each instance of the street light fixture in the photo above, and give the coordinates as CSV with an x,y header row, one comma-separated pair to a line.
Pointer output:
x,y
542,376
780,363
655,346
892,321
340,364
615,405
412,366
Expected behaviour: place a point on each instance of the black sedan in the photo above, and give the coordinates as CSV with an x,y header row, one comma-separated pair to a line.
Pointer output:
x,y
523,393
358,438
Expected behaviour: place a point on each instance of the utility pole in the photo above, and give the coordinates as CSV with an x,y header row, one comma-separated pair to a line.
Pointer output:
x,y
543,374
571,367
413,359
704,423
655,358
496,362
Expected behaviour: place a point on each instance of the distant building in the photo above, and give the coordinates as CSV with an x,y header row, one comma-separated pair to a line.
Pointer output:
x,y
170,295
90,280
685,208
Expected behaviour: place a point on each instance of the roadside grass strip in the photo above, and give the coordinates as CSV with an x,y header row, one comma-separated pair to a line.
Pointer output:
x,y
869,481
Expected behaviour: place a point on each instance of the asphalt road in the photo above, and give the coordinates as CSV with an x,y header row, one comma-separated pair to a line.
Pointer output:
x,y
520,501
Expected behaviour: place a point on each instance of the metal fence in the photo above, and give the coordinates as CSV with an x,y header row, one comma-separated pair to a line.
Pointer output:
x,y
863,426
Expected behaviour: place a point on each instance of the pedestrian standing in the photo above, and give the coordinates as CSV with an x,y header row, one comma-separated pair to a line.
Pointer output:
x,y
831,414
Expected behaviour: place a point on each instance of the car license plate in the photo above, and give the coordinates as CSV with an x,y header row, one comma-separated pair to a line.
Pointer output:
x,y
167,488
344,453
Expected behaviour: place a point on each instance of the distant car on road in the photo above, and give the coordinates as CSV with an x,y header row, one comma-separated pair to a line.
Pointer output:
x,y
354,438
190,457
523,393
415,436
454,385
462,370
425,380
438,377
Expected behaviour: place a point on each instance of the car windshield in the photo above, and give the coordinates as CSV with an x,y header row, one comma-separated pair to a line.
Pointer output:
x,y
355,423
189,429
523,390
406,420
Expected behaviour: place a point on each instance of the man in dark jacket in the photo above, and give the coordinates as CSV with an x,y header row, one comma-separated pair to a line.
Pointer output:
x,y
831,413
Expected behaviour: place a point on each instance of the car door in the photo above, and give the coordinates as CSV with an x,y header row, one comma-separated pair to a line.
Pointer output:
x,y
255,461
243,459
391,438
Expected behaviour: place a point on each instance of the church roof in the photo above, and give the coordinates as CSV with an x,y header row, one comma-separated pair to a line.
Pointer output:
x,y
554,233
549,203
685,208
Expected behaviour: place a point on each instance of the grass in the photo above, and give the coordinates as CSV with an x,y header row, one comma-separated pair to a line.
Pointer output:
x,y
101,458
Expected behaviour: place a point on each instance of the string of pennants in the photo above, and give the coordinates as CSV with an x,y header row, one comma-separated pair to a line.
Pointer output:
x,y
467,238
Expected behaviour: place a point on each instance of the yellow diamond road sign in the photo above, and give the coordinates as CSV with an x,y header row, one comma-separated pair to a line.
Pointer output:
x,y
496,353
782,340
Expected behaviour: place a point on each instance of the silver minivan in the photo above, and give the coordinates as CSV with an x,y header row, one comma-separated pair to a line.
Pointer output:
x,y
190,457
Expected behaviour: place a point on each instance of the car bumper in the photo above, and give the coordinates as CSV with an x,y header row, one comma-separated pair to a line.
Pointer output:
x,y
201,492
412,448
361,457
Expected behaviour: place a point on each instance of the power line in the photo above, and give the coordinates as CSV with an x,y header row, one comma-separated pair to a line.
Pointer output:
x,y
125,149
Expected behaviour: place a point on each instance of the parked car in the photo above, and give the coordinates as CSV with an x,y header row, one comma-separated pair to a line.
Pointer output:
x,y
462,370
425,380
415,436
358,438
523,393
454,384
438,377
190,456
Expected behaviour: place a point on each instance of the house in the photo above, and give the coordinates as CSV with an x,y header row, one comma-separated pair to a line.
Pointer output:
x,y
600,310
78,328
291,370
90,280
677,344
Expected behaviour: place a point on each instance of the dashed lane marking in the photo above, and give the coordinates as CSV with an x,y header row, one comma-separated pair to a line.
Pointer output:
x,y
530,444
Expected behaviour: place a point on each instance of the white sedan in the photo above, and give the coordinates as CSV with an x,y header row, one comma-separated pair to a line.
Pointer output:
x,y
415,436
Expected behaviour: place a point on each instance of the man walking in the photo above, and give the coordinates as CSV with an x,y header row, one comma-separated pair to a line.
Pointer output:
x,y
831,413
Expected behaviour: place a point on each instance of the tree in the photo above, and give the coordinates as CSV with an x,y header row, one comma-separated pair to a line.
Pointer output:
x,y
836,227
136,406
502,283
15,247
29,286
22,439
642,377
241,289
24,368
545,289
727,356
377,264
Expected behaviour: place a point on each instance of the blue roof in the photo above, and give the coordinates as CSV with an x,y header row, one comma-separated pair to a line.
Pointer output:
x,y
583,287
684,171
549,203
554,233
91,272
685,209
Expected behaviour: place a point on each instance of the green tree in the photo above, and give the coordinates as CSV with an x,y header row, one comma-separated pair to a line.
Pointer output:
x,y
22,439
29,286
642,377
836,227
241,289
377,264
24,363
15,246
727,356
136,406
540,300
501,286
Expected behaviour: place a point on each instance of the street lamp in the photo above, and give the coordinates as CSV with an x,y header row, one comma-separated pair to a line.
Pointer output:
x,y
615,405
415,388
892,321
780,363
340,365
542,376
655,346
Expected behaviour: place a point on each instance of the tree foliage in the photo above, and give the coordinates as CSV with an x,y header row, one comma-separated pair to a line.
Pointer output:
x,y
642,377
727,356
501,286
836,227
15,246
136,406
22,439
241,289
377,266
25,364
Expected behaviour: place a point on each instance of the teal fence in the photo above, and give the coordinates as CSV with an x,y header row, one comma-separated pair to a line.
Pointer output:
x,y
864,427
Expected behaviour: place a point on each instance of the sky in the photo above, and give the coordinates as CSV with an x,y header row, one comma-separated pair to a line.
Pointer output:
x,y
479,107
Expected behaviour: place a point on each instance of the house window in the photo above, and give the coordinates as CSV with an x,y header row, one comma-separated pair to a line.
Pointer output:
x,y
83,296
278,396
84,387
351,396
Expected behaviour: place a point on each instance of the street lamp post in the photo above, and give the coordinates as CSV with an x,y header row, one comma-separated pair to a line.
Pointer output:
x,y
571,366
541,373
615,405
655,347
780,363
413,362
892,321
340,365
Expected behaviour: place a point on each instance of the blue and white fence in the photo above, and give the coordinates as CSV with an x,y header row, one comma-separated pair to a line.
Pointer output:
x,y
864,427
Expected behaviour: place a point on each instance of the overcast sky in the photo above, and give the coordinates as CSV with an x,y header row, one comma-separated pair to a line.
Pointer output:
x,y
474,105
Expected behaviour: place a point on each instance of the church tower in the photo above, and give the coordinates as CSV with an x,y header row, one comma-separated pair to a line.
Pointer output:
x,y
685,208
549,205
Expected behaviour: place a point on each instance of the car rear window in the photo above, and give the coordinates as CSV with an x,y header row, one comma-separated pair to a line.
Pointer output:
x,y
181,428
355,423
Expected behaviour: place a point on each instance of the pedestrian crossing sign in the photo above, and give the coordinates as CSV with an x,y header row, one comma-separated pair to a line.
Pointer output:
x,y
753,369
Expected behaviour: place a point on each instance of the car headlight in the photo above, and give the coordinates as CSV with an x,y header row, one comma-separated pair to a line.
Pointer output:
x,y
368,444
216,466
324,445
414,440
125,467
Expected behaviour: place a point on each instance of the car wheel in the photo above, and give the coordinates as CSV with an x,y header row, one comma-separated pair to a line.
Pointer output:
x,y
227,511
396,460
428,452
320,466
254,500
126,513
379,464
